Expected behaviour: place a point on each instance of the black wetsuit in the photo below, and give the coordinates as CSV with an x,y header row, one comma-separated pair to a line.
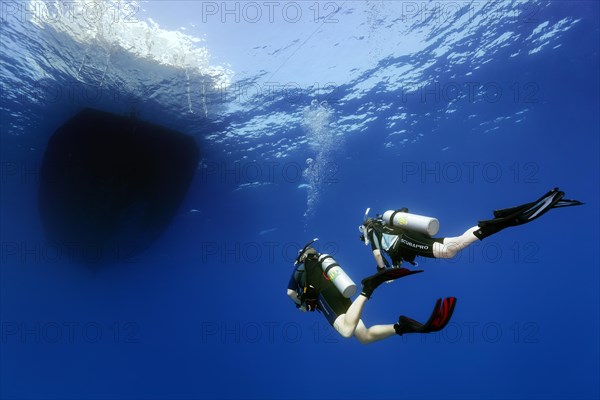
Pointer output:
x,y
405,246
331,302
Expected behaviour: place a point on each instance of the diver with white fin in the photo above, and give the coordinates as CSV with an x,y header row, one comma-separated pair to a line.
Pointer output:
x,y
319,283
404,236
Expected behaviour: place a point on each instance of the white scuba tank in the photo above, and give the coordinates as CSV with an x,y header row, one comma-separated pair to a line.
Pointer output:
x,y
337,276
413,222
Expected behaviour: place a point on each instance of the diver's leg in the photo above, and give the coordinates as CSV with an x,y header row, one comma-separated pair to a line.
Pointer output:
x,y
449,247
376,332
346,323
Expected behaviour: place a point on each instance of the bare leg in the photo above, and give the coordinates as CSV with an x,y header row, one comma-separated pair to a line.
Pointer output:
x,y
452,245
376,332
349,324
346,324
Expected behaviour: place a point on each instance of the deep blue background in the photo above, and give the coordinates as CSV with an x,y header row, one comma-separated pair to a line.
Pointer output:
x,y
204,314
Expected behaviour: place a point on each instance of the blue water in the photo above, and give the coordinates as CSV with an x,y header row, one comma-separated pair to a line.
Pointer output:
x,y
453,114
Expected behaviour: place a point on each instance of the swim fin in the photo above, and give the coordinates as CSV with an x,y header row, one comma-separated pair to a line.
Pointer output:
x,y
371,283
442,312
523,214
567,203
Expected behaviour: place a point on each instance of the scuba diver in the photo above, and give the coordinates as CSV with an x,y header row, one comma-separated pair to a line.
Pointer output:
x,y
319,283
403,236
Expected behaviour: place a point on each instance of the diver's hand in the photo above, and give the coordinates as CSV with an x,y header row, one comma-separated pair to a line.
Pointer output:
x,y
311,304
311,295
301,307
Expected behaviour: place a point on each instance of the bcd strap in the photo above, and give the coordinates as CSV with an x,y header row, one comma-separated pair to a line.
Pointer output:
x,y
334,264
393,216
403,209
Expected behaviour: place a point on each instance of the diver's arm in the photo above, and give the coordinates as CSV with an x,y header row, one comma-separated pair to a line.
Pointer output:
x,y
294,284
376,249
293,295
378,258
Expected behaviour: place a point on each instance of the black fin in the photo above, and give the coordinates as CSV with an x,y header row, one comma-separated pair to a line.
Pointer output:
x,y
567,203
440,316
371,283
540,207
506,212
524,213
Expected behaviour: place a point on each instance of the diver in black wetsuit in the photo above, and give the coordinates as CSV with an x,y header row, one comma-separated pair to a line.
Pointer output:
x,y
405,245
311,290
